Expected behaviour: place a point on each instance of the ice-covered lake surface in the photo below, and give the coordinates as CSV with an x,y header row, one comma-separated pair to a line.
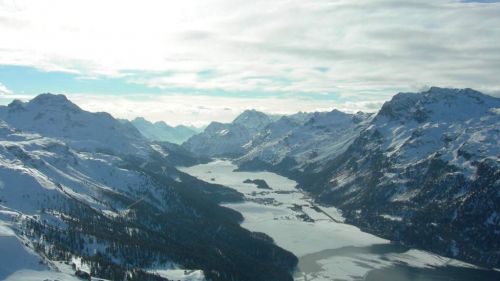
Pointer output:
x,y
328,249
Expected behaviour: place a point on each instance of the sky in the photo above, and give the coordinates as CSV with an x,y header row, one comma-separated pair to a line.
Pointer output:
x,y
191,62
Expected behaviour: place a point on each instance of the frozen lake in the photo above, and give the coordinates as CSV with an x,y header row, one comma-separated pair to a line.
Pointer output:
x,y
327,248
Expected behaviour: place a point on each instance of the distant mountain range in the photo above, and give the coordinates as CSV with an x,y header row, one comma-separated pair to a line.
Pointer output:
x,y
161,131
231,139
424,170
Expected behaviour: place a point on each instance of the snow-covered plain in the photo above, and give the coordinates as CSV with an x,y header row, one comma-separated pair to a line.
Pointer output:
x,y
327,248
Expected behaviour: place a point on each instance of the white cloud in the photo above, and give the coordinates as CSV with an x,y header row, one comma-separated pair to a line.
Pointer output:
x,y
4,90
262,45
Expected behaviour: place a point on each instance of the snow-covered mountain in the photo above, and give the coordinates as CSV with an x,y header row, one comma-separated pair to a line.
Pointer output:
x,y
425,171
299,142
231,139
252,120
55,116
82,188
161,131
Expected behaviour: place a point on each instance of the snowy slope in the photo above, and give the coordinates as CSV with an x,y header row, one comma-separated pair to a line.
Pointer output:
x,y
39,173
160,131
20,256
46,167
23,263
426,171
305,143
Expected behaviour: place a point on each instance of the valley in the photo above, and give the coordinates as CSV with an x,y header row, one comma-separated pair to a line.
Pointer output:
x,y
423,171
328,249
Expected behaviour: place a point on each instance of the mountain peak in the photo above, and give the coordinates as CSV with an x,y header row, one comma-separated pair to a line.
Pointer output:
x,y
215,126
249,113
252,119
161,131
141,120
48,99
456,103
338,113
163,125
16,105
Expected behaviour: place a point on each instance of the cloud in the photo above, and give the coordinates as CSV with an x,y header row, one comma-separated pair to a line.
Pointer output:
x,y
4,90
357,50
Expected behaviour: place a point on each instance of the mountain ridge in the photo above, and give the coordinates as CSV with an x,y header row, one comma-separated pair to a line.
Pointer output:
x,y
228,139
161,131
424,171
